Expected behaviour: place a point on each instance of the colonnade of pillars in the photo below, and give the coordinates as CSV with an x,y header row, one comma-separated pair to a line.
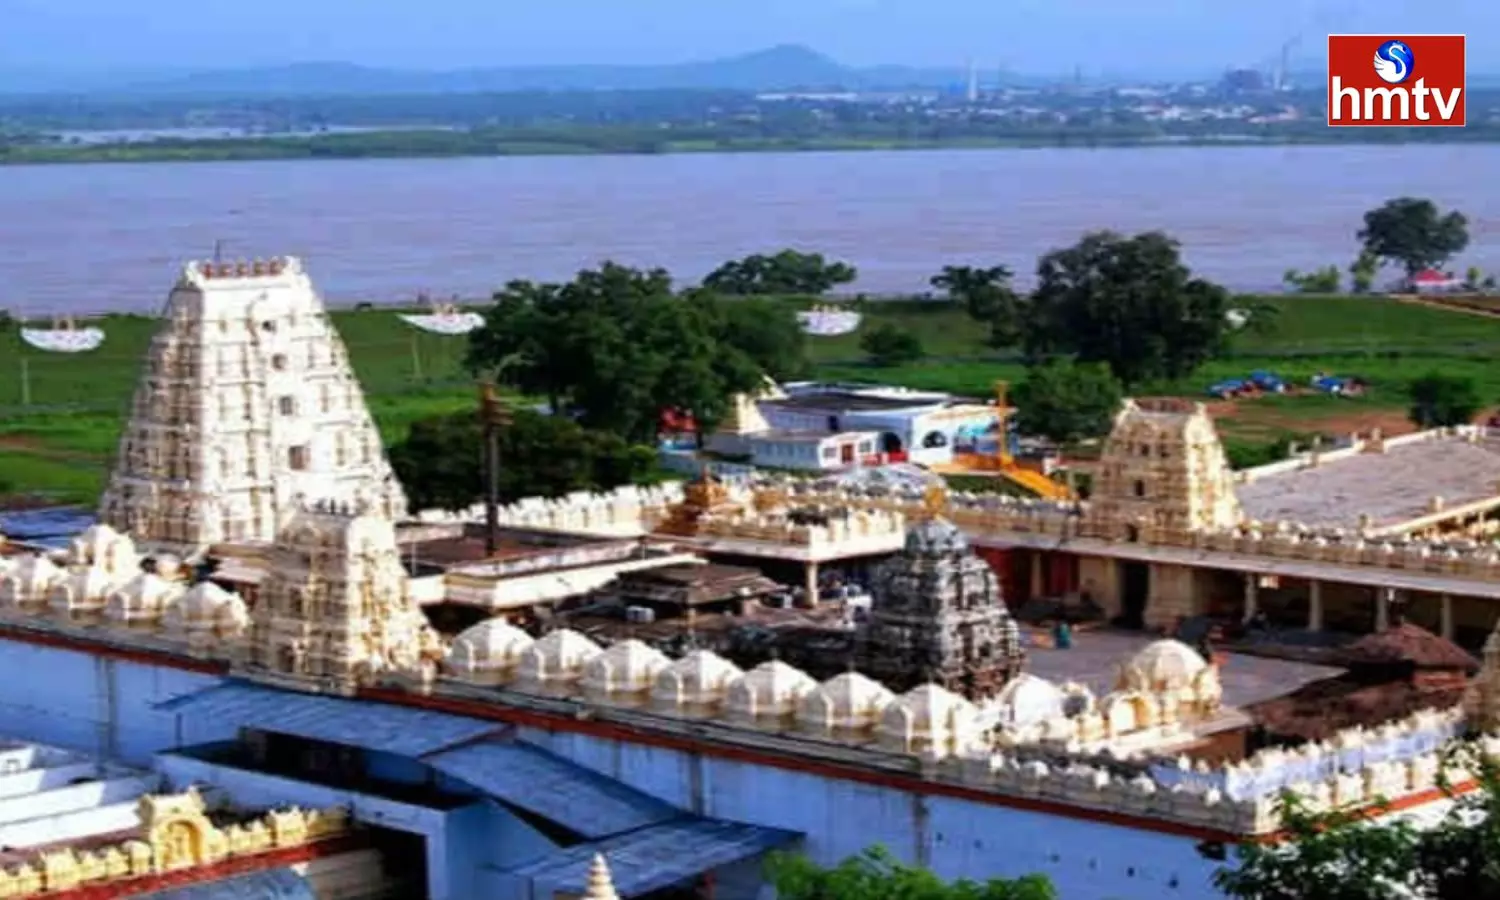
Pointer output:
x,y
1385,599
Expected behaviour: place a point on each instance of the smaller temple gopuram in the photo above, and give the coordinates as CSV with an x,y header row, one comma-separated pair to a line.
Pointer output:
x,y
939,617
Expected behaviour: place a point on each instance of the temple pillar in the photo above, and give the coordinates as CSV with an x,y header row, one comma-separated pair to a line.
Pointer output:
x,y
1038,572
810,585
1385,598
1252,596
1315,605
1445,616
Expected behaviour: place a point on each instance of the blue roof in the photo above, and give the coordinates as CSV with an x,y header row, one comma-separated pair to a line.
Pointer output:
x,y
399,730
272,884
52,526
657,857
559,790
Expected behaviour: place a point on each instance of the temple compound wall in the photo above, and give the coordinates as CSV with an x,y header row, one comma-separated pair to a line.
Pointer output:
x,y
111,704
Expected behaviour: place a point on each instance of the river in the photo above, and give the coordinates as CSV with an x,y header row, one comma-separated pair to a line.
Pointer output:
x,y
89,238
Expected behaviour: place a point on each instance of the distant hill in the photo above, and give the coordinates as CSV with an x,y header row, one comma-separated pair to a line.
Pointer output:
x,y
782,68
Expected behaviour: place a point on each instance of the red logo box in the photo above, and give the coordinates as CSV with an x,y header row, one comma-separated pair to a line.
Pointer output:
x,y
1433,93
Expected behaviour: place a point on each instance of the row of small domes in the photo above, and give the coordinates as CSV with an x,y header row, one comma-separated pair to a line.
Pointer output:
x,y
35,579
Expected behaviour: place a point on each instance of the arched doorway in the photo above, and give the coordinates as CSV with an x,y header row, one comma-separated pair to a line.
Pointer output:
x,y
890,442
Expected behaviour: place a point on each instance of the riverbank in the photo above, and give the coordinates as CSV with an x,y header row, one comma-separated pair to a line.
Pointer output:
x,y
455,144
59,428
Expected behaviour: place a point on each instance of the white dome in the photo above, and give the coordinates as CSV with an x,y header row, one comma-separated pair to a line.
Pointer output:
x,y
930,720
82,589
1027,700
847,701
206,607
141,599
771,688
492,647
558,656
1164,665
630,665
701,677
29,580
101,546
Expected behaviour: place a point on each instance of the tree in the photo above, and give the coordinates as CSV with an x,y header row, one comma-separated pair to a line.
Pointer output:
x,y
1362,272
766,332
617,347
786,272
888,346
1327,856
1413,233
1461,856
877,875
1066,401
441,459
987,297
1319,281
1343,855
1439,400
1127,302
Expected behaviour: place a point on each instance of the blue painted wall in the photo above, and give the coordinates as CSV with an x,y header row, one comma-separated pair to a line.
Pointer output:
x,y
104,707
78,701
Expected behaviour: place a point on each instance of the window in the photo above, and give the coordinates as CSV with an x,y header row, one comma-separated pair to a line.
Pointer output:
x,y
830,452
297,458
935,439
287,406
268,326
1140,488
1132,534
278,362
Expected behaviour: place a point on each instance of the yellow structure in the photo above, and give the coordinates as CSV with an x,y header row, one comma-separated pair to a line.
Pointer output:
x,y
1002,464
176,834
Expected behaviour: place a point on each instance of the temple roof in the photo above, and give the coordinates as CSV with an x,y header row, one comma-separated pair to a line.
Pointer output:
x,y
1323,708
1409,644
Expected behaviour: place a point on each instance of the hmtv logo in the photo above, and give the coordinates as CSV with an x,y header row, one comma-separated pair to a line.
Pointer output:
x,y
1415,80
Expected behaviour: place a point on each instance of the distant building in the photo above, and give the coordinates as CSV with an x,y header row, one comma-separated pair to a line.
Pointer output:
x,y
1244,81
814,426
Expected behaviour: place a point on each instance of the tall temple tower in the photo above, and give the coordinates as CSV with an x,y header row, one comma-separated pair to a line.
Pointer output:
x,y
1162,475
335,611
247,402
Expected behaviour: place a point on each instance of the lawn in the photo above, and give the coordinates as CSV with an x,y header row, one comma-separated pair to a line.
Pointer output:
x,y
60,424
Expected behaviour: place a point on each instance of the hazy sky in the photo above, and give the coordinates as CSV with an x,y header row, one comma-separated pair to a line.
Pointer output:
x,y
1041,36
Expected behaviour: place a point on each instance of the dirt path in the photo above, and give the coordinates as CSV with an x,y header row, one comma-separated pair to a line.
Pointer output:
x,y
1430,303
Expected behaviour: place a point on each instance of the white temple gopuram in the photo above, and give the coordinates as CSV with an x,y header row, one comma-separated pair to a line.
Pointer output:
x,y
246,406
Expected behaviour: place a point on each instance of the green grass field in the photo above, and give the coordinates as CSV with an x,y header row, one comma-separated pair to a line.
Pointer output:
x,y
60,415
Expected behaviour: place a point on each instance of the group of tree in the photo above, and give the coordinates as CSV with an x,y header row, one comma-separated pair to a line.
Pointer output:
x,y
1345,855
1109,313
441,459
1342,854
876,874
787,273
611,351
1442,400
617,346
1411,233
